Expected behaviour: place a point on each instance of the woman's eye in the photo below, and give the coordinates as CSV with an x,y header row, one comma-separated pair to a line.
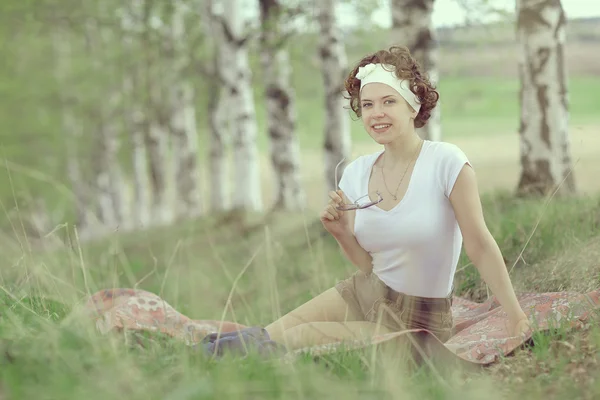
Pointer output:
x,y
366,105
390,101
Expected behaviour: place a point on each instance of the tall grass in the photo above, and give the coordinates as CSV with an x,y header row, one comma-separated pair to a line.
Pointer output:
x,y
49,351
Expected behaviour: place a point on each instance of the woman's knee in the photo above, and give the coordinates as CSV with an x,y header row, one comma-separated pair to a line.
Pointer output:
x,y
297,336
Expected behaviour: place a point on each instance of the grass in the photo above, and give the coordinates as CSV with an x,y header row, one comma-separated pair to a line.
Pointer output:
x,y
47,353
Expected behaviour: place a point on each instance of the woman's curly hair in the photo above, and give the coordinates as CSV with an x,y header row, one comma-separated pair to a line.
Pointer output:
x,y
406,68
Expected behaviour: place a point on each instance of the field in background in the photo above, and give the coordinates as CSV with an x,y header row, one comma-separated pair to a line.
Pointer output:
x,y
495,158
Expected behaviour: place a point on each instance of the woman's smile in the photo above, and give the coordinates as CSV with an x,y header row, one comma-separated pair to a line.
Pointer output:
x,y
380,128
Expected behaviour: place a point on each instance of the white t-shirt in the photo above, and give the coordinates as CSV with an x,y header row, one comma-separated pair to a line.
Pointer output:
x,y
416,245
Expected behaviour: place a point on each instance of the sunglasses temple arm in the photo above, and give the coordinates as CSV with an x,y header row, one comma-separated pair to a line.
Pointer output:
x,y
337,188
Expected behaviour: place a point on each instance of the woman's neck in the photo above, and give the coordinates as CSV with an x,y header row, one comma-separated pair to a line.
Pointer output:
x,y
401,151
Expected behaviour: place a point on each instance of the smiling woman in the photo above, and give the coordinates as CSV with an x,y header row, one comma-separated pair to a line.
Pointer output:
x,y
407,239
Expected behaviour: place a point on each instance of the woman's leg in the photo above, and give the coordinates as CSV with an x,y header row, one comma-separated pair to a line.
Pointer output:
x,y
328,306
318,333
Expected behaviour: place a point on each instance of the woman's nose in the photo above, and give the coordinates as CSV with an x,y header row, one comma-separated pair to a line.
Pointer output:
x,y
378,112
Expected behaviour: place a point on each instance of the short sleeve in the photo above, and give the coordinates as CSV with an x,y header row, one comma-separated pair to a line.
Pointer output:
x,y
453,160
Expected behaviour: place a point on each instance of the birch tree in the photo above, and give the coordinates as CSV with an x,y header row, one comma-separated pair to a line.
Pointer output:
x,y
218,109
412,27
109,181
544,136
333,66
156,134
183,116
237,77
132,26
281,107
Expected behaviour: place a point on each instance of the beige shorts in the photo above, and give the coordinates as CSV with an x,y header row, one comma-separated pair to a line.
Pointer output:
x,y
372,300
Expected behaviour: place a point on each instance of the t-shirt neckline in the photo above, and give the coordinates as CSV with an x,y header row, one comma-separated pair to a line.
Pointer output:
x,y
410,182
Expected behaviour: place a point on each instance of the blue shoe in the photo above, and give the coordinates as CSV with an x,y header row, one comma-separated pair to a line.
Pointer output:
x,y
242,342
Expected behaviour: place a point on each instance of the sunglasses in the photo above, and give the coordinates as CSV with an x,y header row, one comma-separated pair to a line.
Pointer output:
x,y
360,203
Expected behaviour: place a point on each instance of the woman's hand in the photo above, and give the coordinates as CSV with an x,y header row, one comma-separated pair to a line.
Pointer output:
x,y
335,221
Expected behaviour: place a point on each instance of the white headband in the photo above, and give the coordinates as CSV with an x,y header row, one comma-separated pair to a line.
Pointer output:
x,y
376,73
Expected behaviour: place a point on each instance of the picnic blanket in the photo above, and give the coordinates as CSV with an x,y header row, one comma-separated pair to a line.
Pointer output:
x,y
480,329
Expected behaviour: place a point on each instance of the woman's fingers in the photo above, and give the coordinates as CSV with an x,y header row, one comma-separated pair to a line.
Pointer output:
x,y
333,211
326,215
336,196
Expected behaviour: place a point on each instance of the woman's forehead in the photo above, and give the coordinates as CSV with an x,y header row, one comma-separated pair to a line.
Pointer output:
x,y
376,91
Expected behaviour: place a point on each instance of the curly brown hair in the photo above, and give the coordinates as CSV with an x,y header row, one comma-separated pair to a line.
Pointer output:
x,y
406,68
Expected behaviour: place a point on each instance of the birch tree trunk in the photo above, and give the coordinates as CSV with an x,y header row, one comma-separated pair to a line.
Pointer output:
x,y
412,27
141,184
183,120
109,182
106,177
545,143
281,109
156,138
218,107
333,65
134,116
247,194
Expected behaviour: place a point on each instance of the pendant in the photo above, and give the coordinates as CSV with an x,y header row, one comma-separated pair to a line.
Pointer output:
x,y
395,198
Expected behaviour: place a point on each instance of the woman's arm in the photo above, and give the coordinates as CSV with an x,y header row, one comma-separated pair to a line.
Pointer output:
x,y
355,253
482,249
350,246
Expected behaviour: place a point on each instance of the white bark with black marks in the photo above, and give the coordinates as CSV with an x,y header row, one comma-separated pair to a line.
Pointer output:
x,y
156,141
281,109
183,119
334,68
412,27
218,109
544,135
156,136
247,194
135,119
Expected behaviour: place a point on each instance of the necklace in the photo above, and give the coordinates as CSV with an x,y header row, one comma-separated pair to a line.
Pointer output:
x,y
394,195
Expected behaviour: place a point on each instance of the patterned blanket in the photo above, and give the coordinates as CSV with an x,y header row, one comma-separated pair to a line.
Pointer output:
x,y
480,329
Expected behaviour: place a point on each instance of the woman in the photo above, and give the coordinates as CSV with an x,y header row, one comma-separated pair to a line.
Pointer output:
x,y
418,201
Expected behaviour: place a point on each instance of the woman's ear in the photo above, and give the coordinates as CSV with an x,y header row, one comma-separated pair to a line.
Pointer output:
x,y
413,114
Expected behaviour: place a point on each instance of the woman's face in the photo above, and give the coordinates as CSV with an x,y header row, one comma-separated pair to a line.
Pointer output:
x,y
386,115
